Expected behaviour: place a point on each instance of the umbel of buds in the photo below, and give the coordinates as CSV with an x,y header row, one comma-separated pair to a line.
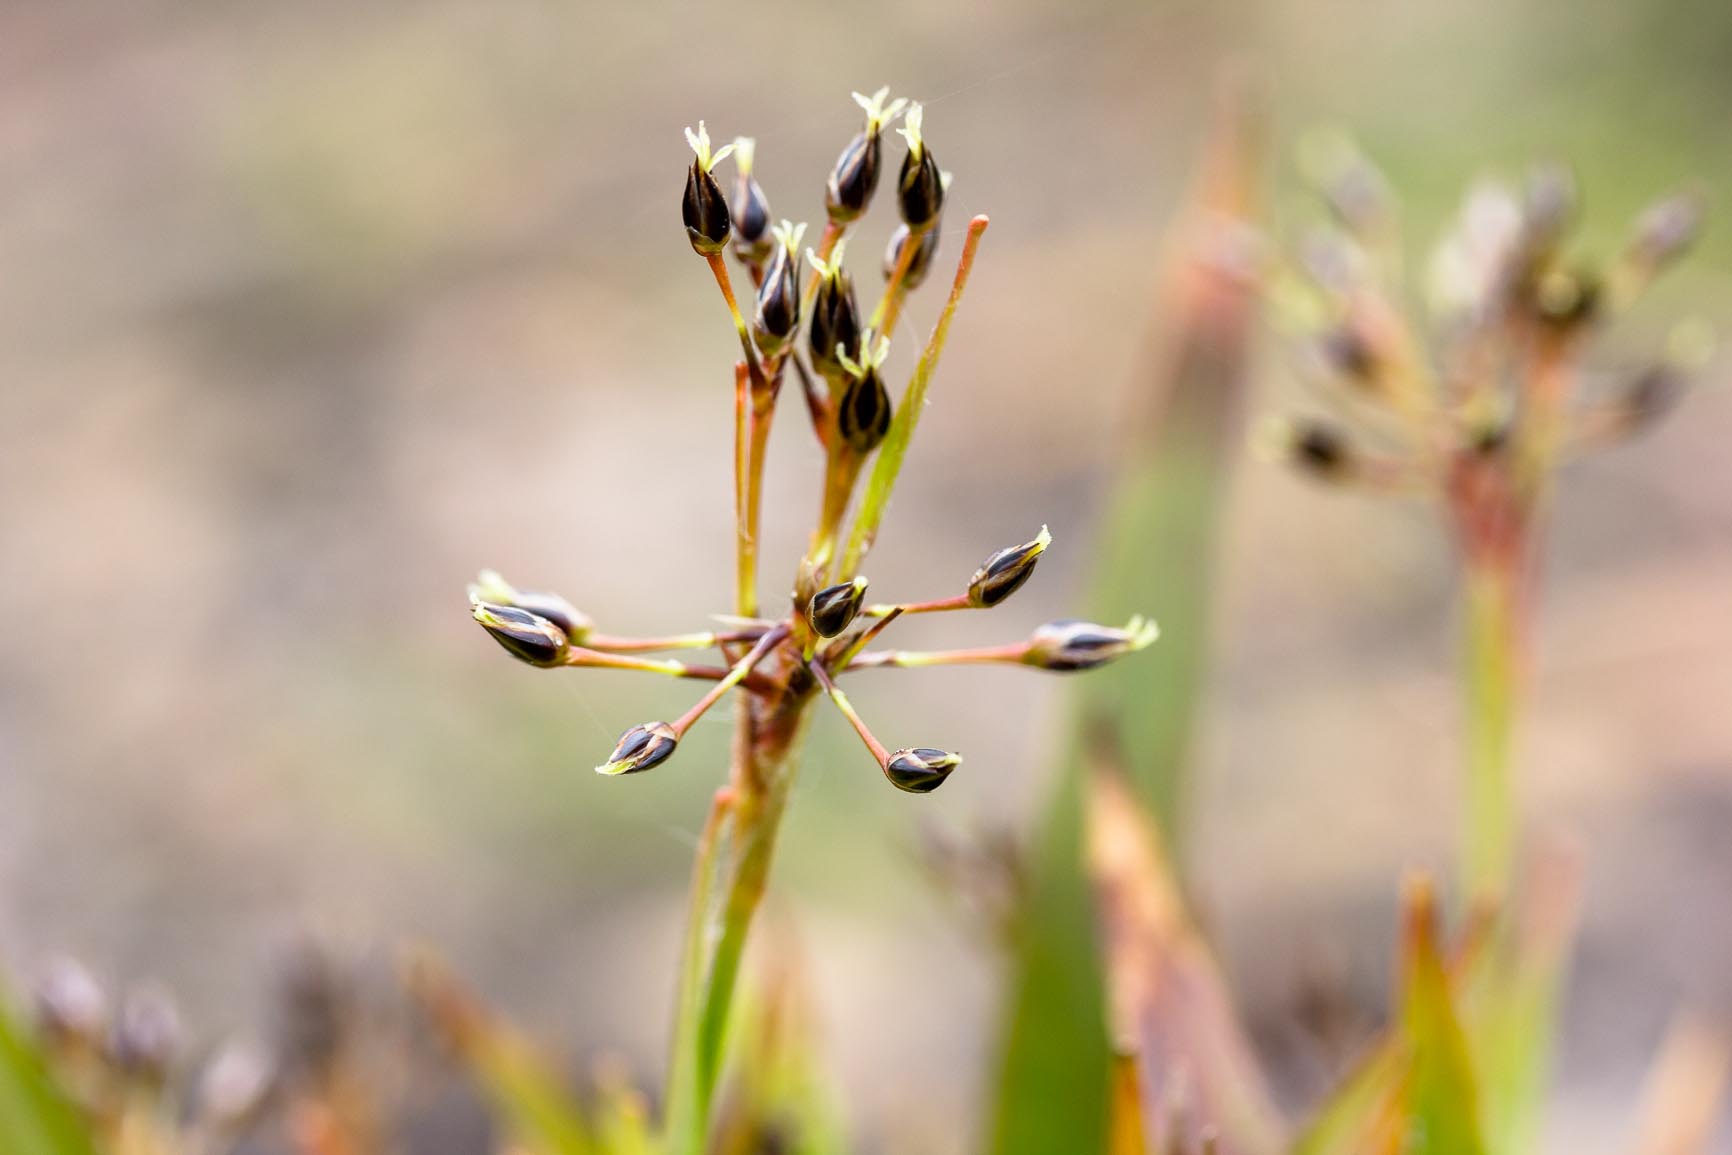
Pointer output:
x,y
834,608
863,416
920,187
490,587
1004,572
920,770
751,214
641,748
778,312
704,210
527,637
855,178
835,320
1069,646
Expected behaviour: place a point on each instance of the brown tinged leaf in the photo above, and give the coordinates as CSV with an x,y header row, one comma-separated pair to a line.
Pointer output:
x,y
1167,1002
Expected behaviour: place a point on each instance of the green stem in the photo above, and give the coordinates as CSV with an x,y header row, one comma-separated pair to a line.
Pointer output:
x,y
1493,691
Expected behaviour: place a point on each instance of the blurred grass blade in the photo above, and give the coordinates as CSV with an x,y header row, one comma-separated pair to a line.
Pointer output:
x,y
1364,1115
1443,1100
531,1099
1686,1091
779,1097
35,1118
622,1116
1128,1132
1158,558
1168,1003
1512,1002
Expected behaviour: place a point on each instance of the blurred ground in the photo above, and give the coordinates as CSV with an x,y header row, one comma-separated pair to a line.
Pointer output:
x,y
308,311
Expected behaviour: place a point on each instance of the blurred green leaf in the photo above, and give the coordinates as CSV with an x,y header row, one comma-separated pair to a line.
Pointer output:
x,y
1443,1101
527,1095
35,1117
1158,559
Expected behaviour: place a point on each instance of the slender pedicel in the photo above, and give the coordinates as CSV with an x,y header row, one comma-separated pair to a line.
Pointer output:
x,y
919,770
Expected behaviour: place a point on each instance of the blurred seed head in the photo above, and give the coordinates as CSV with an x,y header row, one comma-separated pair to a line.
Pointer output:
x,y
1313,447
920,263
778,311
1665,231
315,1007
1068,646
1355,190
1549,208
490,587
526,636
834,608
854,179
641,748
920,770
920,187
835,319
234,1085
1567,299
146,1037
751,210
1004,572
703,208
70,1005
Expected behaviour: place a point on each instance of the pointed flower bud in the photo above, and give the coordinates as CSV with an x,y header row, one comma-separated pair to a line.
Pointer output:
x,y
919,264
920,188
1068,646
852,182
1665,230
835,316
1003,573
528,637
751,212
704,209
920,770
863,416
490,587
641,748
834,608
778,312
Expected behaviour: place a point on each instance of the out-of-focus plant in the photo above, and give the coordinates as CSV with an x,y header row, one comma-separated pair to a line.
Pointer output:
x,y
811,329
1477,406
1158,544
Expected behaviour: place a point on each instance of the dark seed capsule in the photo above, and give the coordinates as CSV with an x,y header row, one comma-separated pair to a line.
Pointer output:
x,y
835,318
834,608
778,313
1004,572
920,770
1347,354
490,587
920,263
526,636
852,182
1319,450
704,210
1653,395
751,212
641,748
920,189
863,417
1068,646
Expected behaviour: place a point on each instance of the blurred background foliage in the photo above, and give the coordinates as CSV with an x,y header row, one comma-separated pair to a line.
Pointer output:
x,y
311,310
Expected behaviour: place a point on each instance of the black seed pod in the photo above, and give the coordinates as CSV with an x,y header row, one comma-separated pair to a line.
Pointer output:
x,y
751,211
920,770
835,317
704,210
526,636
1317,449
1068,646
920,187
920,263
1003,573
778,310
834,608
641,748
852,182
490,587
863,417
